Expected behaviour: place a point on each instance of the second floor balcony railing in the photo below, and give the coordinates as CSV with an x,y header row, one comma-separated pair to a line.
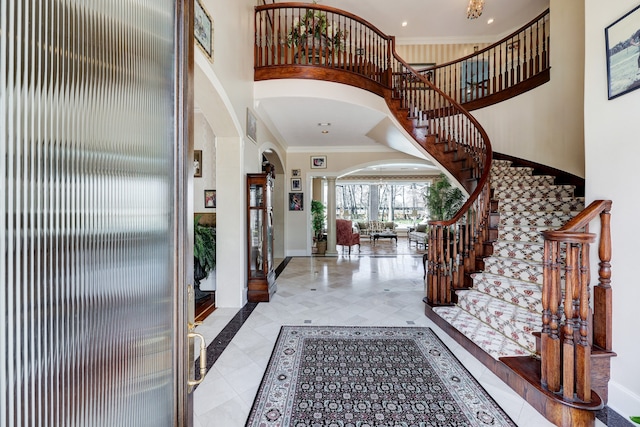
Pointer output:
x,y
298,38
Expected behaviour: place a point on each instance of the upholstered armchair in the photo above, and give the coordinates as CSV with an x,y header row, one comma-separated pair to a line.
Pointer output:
x,y
345,235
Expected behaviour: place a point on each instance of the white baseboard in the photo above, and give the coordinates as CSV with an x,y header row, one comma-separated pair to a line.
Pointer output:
x,y
624,401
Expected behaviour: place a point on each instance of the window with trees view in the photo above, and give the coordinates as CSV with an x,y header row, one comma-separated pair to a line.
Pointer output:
x,y
402,203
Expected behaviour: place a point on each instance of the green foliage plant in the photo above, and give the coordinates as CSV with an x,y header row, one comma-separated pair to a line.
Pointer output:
x,y
442,199
204,245
317,219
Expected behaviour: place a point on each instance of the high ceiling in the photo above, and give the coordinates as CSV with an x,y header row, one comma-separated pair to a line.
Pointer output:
x,y
441,19
296,119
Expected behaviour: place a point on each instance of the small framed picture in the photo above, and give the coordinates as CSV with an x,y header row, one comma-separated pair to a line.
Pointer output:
x,y
209,198
296,201
197,163
296,184
318,162
203,29
252,126
295,172
623,54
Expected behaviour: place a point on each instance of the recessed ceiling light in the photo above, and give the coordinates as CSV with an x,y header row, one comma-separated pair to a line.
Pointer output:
x,y
325,131
490,21
405,23
324,124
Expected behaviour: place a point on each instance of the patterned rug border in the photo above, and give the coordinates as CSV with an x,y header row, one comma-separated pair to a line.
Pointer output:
x,y
265,396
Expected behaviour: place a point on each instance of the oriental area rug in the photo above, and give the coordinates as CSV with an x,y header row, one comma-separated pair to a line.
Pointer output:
x,y
368,377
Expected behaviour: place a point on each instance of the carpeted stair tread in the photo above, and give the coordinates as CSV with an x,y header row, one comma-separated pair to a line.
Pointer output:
x,y
564,204
524,294
490,340
536,219
515,322
530,251
551,191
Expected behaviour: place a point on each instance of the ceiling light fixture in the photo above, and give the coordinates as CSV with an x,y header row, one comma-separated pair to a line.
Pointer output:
x,y
474,10
490,21
405,23
324,124
325,131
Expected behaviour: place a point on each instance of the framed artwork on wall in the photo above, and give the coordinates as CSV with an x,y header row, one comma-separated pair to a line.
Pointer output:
x,y
296,184
197,163
252,126
296,201
203,29
623,54
318,162
295,172
209,198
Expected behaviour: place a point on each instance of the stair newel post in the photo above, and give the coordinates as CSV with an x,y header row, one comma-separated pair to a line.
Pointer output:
x,y
602,293
550,321
441,266
568,353
583,348
432,267
546,312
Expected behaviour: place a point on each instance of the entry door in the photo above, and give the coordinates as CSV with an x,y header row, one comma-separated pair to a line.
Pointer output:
x,y
93,136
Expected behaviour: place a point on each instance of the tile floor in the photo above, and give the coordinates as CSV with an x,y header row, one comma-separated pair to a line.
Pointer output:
x,y
359,289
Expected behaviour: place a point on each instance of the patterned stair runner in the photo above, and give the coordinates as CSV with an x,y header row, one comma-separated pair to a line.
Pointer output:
x,y
503,308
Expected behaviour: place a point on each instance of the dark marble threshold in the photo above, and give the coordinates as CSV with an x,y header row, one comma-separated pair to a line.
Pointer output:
x,y
220,342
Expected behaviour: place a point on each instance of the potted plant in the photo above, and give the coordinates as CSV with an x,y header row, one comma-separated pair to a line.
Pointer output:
x,y
204,254
317,223
442,199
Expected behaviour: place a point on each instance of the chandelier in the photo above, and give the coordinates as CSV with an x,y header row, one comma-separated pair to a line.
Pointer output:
x,y
474,10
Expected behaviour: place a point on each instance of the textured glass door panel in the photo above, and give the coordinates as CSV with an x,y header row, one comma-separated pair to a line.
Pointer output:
x,y
87,108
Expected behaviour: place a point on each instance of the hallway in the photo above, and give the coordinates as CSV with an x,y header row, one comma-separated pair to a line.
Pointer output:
x,y
381,290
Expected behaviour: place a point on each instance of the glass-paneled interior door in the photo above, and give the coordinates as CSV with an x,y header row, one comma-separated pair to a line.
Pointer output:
x,y
94,131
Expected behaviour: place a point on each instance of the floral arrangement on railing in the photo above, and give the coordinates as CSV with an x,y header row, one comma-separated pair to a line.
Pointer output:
x,y
314,29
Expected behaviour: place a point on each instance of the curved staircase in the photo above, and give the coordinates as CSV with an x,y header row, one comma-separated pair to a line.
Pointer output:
x,y
497,271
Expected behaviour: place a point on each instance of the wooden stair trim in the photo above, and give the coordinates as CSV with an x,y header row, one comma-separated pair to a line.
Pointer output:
x,y
562,177
516,373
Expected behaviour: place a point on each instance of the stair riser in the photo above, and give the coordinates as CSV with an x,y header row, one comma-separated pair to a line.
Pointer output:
x,y
532,192
521,234
535,219
522,181
523,251
540,205
515,269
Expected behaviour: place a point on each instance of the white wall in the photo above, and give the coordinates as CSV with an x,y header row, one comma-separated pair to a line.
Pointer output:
x,y
204,139
612,151
545,125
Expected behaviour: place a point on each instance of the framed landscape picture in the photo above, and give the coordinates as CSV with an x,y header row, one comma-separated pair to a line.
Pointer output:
x,y
203,29
623,54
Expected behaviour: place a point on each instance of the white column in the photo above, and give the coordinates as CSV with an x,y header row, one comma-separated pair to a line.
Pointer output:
x,y
231,240
331,217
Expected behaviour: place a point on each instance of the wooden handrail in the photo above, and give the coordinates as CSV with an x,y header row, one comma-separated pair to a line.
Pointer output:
x,y
568,329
